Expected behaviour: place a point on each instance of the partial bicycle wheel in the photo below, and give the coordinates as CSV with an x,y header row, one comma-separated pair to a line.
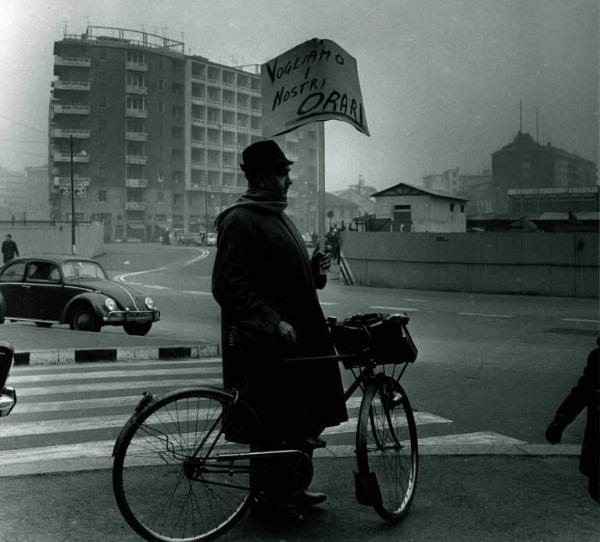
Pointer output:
x,y
176,476
387,449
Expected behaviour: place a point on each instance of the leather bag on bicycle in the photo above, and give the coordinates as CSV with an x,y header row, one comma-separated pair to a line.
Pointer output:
x,y
383,338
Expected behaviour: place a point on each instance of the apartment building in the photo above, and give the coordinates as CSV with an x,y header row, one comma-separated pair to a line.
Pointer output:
x,y
153,137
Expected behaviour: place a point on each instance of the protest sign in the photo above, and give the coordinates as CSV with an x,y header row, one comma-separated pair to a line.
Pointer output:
x,y
315,81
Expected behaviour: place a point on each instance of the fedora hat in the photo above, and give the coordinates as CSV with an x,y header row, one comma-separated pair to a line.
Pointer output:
x,y
263,153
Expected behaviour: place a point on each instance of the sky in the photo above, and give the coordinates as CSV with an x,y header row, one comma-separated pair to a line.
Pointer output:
x,y
441,80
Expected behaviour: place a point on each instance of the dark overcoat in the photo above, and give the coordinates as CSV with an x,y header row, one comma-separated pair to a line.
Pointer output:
x,y
586,394
262,274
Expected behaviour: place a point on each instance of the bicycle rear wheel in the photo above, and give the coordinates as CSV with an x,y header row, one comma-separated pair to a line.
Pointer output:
x,y
168,480
386,449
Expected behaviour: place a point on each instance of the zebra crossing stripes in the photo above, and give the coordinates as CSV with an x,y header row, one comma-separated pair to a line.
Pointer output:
x,y
68,417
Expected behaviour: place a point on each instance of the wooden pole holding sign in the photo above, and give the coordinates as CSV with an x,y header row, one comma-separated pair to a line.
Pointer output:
x,y
321,183
313,82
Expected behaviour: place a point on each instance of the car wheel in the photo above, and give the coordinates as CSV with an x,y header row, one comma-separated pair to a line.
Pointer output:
x,y
135,328
83,318
43,324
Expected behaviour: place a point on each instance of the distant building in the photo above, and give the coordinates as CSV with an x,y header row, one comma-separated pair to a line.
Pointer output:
x,y
366,204
524,164
448,181
476,188
340,211
24,195
413,208
580,199
157,135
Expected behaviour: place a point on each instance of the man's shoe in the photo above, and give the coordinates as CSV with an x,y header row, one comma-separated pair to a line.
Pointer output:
x,y
307,499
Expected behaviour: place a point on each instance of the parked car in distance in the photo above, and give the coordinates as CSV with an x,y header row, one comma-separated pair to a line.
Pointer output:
x,y
69,289
211,239
190,239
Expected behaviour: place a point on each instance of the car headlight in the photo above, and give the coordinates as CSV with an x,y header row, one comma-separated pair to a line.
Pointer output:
x,y
110,303
149,303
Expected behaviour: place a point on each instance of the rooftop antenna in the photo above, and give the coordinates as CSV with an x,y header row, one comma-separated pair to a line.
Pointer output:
x,y
537,124
520,116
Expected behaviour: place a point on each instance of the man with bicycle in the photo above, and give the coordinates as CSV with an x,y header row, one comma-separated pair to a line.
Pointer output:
x,y
266,284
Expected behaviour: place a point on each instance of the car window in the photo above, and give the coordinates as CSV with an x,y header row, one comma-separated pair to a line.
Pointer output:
x,y
13,272
74,270
45,271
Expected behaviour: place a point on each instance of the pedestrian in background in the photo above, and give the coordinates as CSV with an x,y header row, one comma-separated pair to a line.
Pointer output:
x,y
266,284
586,394
9,248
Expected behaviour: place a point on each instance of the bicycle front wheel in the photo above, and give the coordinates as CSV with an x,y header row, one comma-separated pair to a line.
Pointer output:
x,y
169,477
386,449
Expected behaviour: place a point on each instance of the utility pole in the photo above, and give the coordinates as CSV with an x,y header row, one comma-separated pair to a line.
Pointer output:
x,y
72,200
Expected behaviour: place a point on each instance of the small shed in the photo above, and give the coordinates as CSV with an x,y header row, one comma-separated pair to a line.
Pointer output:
x,y
412,208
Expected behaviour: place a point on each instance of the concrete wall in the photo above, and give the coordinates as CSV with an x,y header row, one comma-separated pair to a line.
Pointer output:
x,y
42,239
554,264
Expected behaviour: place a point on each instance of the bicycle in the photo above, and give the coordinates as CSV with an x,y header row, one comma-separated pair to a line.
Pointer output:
x,y
177,478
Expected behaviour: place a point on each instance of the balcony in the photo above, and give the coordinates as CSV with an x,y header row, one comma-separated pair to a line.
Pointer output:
x,y
198,100
136,183
135,89
136,159
198,122
198,165
72,85
139,113
137,66
135,205
198,143
66,157
136,136
78,182
68,132
72,109
72,61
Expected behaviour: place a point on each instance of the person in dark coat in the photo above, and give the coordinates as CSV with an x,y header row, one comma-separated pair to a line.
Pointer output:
x,y
9,249
266,284
585,394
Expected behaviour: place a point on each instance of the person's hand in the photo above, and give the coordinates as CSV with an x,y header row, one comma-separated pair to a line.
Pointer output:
x,y
324,260
286,332
554,433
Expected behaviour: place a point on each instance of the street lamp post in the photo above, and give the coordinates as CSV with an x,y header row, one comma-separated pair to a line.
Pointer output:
x,y
72,200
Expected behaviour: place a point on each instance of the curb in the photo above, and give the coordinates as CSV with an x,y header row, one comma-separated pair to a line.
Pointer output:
x,y
127,353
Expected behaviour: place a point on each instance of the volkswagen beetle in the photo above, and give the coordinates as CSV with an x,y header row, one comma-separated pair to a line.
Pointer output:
x,y
70,289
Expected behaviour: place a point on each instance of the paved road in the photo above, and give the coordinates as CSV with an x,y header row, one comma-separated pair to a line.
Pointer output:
x,y
68,417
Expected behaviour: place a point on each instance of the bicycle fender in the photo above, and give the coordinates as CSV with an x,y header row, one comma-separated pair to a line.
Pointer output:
x,y
367,489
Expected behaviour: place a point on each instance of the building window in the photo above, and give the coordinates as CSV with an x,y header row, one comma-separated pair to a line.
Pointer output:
x,y
161,84
102,101
177,132
101,195
177,88
102,125
462,208
161,107
452,207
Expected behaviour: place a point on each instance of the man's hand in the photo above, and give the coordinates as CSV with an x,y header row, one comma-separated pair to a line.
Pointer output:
x,y
286,332
554,433
324,260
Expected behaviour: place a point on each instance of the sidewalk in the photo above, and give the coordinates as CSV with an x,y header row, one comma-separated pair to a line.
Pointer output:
x,y
41,346
462,499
